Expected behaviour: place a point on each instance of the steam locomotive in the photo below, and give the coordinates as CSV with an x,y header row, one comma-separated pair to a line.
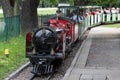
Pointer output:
x,y
48,46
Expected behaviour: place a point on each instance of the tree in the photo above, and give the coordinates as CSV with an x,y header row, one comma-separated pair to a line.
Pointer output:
x,y
29,18
105,3
81,2
27,10
10,7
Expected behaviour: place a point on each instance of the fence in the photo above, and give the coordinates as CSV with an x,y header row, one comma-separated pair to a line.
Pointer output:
x,y
102,18
9,27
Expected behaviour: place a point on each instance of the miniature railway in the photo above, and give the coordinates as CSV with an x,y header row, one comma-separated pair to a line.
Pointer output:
x,y
26,75
47,77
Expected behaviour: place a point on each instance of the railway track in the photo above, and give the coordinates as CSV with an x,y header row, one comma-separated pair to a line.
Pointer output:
x,y
46,77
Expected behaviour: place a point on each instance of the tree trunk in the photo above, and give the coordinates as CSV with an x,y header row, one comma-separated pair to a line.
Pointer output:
x,y
29,18
7,8
10,7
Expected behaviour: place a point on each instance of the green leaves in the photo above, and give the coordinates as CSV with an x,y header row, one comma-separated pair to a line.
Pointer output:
x,y
104,3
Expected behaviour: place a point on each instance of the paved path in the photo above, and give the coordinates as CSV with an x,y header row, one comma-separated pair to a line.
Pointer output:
x,y
98,58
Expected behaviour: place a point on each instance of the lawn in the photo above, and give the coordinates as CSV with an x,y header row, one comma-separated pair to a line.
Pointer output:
x,y
45,11
1,15
16,57
113,25
41,11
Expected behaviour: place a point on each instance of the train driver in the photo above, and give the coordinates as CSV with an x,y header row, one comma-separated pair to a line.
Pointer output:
x,y
59,14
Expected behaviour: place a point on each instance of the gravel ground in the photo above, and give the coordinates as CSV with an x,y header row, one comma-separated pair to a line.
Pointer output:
x,y
26,74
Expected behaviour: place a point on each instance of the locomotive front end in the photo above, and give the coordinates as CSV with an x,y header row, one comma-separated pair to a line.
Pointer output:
x,y
41,49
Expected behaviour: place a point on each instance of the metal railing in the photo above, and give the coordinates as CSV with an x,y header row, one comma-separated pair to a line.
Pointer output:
x,y
98,19
9,27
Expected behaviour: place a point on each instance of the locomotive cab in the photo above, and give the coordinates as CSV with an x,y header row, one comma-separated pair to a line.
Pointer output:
x,y
72,13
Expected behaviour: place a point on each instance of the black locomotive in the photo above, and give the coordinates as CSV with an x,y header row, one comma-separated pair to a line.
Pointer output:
x,y
48,46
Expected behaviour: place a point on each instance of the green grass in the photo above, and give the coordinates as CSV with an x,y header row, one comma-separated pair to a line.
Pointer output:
x,y
44,11
16,57
1,15
113,25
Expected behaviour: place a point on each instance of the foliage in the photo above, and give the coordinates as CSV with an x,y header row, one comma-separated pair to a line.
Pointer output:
x,y
105,3
71,2
48,3
16,57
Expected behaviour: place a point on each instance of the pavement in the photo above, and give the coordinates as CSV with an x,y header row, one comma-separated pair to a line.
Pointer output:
x,y
98,58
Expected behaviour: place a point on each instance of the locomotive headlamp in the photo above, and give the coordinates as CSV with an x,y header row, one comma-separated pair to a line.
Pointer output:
x,y
7,52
